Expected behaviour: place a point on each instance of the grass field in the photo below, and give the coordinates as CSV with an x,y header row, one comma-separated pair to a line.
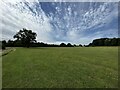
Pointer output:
x,y
80,67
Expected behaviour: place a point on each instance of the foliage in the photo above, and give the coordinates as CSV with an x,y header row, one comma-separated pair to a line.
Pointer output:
x,y
69,45
3,44
106,42
80,45
62,45
25,37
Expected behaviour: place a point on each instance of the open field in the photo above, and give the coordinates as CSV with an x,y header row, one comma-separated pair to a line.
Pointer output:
x,y
63,67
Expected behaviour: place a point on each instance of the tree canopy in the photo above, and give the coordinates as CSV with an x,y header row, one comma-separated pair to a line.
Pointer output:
x,y
106,42
25,37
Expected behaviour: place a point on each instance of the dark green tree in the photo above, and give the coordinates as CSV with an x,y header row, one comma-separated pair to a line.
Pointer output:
x,y
10,43
62,45
69,45
80,45
114,42
3,44
26,37
106,42
118,41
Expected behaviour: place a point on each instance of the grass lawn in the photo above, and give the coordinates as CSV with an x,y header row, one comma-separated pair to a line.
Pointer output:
x,y
63,67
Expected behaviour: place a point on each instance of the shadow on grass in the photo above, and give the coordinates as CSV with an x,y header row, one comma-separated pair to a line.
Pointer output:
x,y
7,52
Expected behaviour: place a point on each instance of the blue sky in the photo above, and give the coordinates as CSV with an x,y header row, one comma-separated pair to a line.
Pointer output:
x,y
56,22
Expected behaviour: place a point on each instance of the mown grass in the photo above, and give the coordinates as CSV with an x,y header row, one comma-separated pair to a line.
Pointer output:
x,y
6,51
94,67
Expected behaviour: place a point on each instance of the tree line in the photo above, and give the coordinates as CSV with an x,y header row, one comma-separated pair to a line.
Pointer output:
x,y
27,38
106,42
11,43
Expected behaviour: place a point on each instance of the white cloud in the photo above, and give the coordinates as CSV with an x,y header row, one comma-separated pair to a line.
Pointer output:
x,y
81,22
15,18
68,26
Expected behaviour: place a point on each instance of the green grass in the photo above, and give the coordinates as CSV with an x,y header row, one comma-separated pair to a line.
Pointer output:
x,y
6,51
94,67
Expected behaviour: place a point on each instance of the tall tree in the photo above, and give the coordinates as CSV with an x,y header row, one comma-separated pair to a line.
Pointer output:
x,y
26,37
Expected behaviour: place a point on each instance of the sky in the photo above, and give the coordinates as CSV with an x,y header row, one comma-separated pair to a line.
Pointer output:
x,y
56,22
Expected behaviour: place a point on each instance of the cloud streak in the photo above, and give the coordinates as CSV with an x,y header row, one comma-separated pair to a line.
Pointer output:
x,y
60,22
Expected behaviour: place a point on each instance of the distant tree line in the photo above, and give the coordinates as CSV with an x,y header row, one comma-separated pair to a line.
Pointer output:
x,y
27,38
96,42
16,43
106,42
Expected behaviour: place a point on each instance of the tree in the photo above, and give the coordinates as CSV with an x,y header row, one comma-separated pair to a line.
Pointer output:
x,y
3,44
26,37
114,42
80,45
118,41
69,45
106,42
62,45
75,45
10,43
